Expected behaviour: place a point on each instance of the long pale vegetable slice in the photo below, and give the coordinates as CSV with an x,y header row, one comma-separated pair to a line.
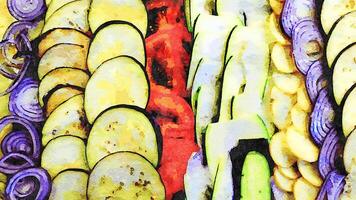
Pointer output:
x,y
121,80
125,175
124,128
115,38
349,112
55,5
193,8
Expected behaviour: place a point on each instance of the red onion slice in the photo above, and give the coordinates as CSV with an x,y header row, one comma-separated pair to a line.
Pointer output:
x,y
315,81
322,117
24,101
15,162
26,9
295,10
17,142
29,129
18,77
332,186
308,44
33,183
328,153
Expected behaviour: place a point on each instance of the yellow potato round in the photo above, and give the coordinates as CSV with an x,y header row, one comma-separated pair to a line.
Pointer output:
x,y
301,145
280,151
283,182
303,190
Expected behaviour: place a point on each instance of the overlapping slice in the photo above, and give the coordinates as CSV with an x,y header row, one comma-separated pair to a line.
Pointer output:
x,y
67,119
125,175
124,128
116,38
62,35
71,15
349,112
121,80
193,8
62,55
62,153
59,77
55,5
132,11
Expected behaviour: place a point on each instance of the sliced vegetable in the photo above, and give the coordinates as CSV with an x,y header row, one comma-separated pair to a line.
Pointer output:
x,y
132,11
115,38
289,172
282,59
62,35
279,194
315,80
70,184
277,6
342,34
308,44
280,151
348,192
59,77
282,181
349,151
62,55
288,83
300,119
275,28
66,119
310,172
280,108
303,190
24,101
303,100
223,184
26,10
62,153
193,8
73,15
322,117
332,186
54,6
125,175
121,80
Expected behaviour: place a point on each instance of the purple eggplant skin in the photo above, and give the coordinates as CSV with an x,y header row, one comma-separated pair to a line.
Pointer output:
x,y
332,186
295,10
315,80
322,117
307,44
329,153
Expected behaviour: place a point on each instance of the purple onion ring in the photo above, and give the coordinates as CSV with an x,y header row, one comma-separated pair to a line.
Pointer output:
x,y
24,101
33,183
295,10
17,142
15,162
332,186
322,117
26,9
308,44
328,153
315,81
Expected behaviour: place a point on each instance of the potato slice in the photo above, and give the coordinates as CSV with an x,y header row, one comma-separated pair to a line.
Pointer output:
x,y
350,151
55,5
283,182
289,172
132,11
64,76
300,119
63,55
276,31
116,39
277,6
303,190
60,35
310,172
303,100
282,58
281,113
72,15
62,153
59,96
301,145
67,119
71,184
288,83
280,151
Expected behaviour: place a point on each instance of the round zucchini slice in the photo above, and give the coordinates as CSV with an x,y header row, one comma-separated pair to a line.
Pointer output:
x,y
115,38
62,153
121,80
124,128
70,184
349,112
125,175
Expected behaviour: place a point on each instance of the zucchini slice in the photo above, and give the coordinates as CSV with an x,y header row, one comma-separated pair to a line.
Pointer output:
x,y
342,34
63,76
124,128
193,8
221,137
349,112
67,119
55,5
332,10
132,11
349,153
125,175
223,184
72,15
62,55
59,96
69,184
62,153
121,80
344,72
62,35
116,38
